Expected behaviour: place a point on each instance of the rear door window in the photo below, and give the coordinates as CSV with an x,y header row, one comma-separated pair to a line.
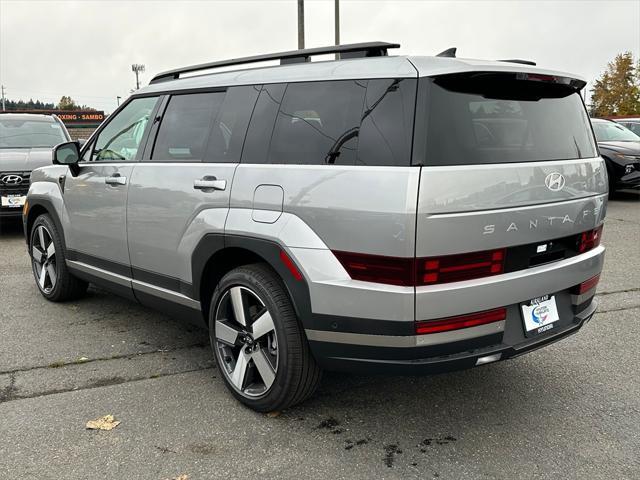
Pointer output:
x,y
256,145
186,127
499,119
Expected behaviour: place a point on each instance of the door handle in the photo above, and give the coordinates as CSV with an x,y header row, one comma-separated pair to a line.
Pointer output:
x,y
209,183
116,179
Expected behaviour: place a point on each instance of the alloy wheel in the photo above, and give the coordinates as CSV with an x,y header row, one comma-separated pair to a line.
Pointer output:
x,y
246,341
43,253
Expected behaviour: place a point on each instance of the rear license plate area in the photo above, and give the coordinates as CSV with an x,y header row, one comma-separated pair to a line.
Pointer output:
x,y
539,315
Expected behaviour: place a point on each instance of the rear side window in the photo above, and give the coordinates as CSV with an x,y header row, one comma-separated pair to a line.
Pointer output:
x,y
186,127
386,129
499,119
256,146
318,123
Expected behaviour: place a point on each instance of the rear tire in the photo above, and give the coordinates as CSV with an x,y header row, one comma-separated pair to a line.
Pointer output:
x,y
48,262
259,345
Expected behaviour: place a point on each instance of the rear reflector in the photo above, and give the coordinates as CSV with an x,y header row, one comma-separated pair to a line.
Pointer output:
x,y
589,240
461,321
290,265
586,285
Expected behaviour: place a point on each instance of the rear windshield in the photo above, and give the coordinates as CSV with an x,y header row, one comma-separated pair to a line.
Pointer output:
x,y
500,119
17,133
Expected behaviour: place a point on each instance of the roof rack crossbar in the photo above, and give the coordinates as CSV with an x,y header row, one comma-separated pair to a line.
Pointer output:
x,y
368,49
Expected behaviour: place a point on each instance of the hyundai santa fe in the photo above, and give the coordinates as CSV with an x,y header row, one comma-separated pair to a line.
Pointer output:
x,y
374,214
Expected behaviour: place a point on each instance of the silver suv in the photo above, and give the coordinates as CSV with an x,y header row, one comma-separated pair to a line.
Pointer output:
x,y
376,214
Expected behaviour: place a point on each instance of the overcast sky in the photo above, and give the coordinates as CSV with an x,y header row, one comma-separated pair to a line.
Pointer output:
x,y
85,48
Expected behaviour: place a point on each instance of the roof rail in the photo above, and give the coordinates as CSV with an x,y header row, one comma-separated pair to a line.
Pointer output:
x,y
517,60
353,50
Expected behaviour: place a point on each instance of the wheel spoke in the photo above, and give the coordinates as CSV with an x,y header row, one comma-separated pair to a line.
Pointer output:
x,y
41,237
36,253
43,277
263,325
264,367
238,306
226,333
51,250
240,370
51,271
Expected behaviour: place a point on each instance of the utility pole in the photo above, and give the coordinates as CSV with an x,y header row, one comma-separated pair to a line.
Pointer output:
x,y
337,25
118,99
3,107
137,68
300,24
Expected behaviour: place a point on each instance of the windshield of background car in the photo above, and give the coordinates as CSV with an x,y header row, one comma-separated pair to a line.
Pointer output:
x,y
498,118
18,133
613,132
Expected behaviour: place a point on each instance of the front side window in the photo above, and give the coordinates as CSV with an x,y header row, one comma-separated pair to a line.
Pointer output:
x,y
186,127
487,118
120,139
318,123
25,133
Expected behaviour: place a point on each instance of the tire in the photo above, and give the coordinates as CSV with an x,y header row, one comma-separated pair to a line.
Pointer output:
x,y
265,363
52,276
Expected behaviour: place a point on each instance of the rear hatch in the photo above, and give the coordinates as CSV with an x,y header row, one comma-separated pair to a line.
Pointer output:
x,y
511,179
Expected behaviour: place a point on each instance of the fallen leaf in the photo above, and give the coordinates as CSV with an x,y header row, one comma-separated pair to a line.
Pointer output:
x,y
103,423
273,414
184,476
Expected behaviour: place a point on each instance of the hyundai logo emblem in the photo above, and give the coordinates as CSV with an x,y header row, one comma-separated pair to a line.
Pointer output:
x,y
11,180
554,181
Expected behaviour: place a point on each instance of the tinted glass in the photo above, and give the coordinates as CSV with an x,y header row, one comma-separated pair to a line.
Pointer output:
x,y
318,123
613,132
501,120
387,123
186,127
256,145
230,126
18,133
120,138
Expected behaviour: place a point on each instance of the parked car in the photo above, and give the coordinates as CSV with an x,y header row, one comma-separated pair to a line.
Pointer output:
x,y
632,124
26,142
346,215
620,148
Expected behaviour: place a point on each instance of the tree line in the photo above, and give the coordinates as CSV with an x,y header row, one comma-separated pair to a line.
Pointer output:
x,y
65,103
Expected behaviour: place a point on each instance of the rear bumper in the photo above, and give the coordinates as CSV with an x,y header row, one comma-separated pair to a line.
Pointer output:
x,y
458,355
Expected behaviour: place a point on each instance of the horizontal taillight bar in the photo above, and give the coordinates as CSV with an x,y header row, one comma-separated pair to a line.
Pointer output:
x,y
586,285
422,271
460,321
589,240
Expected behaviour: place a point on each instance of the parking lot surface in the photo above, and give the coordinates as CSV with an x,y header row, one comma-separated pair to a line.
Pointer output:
x,y
571,410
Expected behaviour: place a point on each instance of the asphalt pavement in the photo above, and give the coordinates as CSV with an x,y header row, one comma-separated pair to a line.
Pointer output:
x,y
571,410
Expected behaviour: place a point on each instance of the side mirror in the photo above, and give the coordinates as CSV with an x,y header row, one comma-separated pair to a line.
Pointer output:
x,y
67,153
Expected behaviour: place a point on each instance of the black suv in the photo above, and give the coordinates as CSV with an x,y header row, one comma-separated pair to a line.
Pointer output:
x,y
620,148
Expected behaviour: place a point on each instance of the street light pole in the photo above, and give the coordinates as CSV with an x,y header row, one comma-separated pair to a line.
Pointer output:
x,y
118,99
337,25
137,68
300,24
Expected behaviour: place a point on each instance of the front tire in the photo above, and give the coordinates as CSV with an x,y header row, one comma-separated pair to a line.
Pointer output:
x,y
259,345
53,278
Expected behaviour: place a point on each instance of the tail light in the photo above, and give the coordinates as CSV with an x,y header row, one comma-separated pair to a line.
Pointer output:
x,y
586,285
422,271
378,268
455,268
589,240
461,321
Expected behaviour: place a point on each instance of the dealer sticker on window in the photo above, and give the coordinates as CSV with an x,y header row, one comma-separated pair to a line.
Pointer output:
x,y
540,314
